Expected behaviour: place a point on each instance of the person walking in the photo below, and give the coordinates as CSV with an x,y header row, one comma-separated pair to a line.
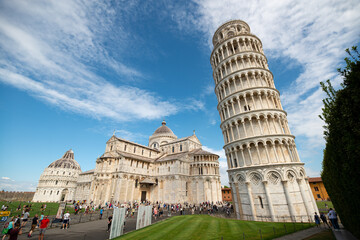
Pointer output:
x,y
25,218
15,232
317,219
7,228
34,223
43,225
333,219
323,218
101,213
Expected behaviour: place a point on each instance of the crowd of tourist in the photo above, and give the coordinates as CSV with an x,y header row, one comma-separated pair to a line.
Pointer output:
x,y
17,223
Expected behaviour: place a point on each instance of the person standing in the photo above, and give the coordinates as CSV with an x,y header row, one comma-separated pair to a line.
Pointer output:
x,y
333,219
317,219
109,223
34,223
132,212
66,220
43,225
155,212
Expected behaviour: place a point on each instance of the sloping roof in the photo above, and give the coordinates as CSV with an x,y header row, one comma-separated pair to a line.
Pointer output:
x,y
134,143
111,154
87,172
315,179
169,157
191,138
134,156
200,151
148,181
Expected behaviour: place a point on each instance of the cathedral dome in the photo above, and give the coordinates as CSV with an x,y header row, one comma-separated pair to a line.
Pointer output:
x,y
67,161
163,130
162,135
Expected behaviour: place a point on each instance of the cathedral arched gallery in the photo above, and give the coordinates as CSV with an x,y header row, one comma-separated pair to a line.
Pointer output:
x,y
169,169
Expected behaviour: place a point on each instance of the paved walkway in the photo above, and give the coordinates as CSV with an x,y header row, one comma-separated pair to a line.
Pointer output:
x,y
302,234
343,234
95,230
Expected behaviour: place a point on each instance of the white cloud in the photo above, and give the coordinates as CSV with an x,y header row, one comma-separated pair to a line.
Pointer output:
x,y
131,136
8,184
312,173
313,34
50,49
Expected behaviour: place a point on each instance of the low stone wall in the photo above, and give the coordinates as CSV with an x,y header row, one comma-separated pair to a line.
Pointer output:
x,y
16,196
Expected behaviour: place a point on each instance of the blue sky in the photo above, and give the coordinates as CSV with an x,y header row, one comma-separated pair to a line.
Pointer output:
x,y
73,71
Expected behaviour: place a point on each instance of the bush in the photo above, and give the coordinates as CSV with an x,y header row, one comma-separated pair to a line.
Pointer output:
x,y
341,163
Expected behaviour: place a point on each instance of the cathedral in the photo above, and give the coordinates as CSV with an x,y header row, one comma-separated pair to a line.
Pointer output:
x,y
169,169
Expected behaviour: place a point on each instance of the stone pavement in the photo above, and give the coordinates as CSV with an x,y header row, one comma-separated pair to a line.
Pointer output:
x,y
343,234
94,230
302,234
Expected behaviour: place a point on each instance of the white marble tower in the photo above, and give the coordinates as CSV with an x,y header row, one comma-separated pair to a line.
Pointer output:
x,y
267,178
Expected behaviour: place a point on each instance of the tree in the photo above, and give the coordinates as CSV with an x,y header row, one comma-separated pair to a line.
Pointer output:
x,y
341,164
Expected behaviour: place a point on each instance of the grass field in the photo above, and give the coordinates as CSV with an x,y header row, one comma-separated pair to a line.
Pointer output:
x,y
51,208
207,227
321,204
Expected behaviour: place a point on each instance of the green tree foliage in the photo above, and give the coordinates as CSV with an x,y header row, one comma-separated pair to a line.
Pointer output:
x,y
341,165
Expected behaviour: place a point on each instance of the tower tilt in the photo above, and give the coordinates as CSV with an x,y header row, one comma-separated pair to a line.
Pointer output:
x,y
266,175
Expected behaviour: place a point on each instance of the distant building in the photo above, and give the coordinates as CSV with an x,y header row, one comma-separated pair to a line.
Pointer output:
x,y
318,189
226,195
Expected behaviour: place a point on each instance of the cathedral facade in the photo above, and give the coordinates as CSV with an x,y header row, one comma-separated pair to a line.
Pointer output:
x,y
169,170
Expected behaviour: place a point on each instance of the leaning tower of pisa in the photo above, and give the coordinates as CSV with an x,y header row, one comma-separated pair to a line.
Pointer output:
x,y
267,178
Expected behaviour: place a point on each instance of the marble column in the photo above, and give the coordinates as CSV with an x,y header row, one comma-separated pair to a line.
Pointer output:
x,y
234,191
239,204
251,201
269,201
311,196
303,196
288,200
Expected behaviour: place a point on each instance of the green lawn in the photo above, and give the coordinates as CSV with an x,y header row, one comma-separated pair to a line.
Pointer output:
x,y
321,204
207,227
51,208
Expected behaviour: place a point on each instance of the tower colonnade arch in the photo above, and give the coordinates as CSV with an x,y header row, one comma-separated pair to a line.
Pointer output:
x,y
259,146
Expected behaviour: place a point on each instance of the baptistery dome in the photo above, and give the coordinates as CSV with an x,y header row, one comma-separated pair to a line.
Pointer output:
x,y
67,161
